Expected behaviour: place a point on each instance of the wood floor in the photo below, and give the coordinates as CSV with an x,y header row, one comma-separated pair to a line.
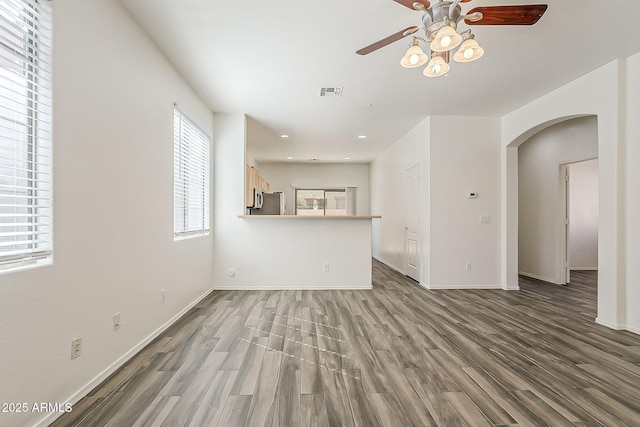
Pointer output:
x,y
399,355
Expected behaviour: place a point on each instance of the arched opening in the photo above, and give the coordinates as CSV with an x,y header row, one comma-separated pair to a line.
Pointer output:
x,y
546,162
601,94
510,199
511,239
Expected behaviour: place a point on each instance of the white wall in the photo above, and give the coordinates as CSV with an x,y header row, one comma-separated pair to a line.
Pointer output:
x,y
540,197
285,253
632,197
389,195
583,215
464,157
457,155
113,214
283,176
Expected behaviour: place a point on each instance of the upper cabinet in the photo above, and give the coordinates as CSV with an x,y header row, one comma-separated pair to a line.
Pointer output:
x,y
253,181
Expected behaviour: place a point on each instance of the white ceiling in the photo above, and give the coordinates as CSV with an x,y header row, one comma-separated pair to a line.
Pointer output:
x,y
268,58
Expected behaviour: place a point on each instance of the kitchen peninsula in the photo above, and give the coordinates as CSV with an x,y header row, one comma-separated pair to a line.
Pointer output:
x,y
328,217
285,252
312,252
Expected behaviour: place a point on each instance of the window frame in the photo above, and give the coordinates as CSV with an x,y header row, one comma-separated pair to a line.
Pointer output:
x,y
26,205
324,192
191,178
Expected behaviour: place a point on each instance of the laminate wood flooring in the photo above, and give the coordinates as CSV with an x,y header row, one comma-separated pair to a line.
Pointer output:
x,y
397,355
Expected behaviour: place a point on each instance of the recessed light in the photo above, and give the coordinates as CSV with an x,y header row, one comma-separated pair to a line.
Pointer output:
x,y
347,158
289,157
284,136
362,136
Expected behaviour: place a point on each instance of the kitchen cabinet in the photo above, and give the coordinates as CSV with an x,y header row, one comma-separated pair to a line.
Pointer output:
x,y
253,180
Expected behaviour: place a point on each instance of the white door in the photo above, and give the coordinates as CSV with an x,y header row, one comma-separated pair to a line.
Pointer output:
x,y
412,224
562,270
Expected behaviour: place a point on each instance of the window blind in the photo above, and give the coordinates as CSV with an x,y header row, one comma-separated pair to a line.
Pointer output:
x,y
191,177
25,131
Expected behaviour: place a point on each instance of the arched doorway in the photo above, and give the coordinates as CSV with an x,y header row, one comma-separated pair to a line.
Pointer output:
x,y
600,94
543,183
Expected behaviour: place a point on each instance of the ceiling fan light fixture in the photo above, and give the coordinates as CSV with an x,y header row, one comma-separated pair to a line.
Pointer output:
x,y
414,57
446,39
436,67
469,50
440,23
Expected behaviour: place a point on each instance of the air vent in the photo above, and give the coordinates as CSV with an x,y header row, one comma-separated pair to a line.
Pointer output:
x,y
334,92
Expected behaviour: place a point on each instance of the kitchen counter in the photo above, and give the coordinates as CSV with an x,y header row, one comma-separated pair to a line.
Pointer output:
x,y
311,216
298,252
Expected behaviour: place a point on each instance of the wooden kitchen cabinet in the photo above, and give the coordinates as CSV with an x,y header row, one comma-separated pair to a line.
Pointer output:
x,y
262,185
253,180
250,184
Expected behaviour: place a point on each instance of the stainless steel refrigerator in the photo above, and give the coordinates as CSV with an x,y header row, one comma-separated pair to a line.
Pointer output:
x,y
272,204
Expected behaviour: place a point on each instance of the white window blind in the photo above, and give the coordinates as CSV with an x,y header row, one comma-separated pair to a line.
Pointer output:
x,y
191,177
25,131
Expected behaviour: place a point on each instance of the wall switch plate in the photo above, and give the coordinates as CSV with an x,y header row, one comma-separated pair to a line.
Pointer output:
x,y
162,297
116,321
467,266
325,266
76,346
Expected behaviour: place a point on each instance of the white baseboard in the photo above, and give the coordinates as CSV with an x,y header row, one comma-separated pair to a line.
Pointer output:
x,y
296,288
391,266
634,330
617,327
534,276
433,287
608,324
584,268
75,398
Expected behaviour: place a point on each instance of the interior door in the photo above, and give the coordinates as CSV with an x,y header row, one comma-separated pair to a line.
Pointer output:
x,y
412,223
564,269
567,228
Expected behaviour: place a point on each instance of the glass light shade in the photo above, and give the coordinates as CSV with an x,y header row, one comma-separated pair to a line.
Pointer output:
x,y
469,51
414,57
445,40
436,67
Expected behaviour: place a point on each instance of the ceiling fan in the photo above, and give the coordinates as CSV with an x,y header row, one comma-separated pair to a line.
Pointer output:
x,y
440,21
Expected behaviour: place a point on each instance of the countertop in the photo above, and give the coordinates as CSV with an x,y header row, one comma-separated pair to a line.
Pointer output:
x,y
311,216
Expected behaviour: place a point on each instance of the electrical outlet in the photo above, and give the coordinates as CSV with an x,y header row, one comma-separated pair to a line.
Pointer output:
x,y
116,321
325,266
467,266
163,295
76,345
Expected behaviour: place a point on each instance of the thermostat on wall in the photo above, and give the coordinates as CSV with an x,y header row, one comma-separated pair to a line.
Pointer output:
x,y
472,195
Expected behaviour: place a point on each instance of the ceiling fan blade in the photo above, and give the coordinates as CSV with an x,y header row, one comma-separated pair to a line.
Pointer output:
x,y
527,14
409,3
387,40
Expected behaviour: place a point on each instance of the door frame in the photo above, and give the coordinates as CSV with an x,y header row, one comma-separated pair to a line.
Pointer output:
x,y
564,271
418,273
564,220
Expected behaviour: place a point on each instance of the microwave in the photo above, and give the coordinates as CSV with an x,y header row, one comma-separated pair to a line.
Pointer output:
x,y
257,198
